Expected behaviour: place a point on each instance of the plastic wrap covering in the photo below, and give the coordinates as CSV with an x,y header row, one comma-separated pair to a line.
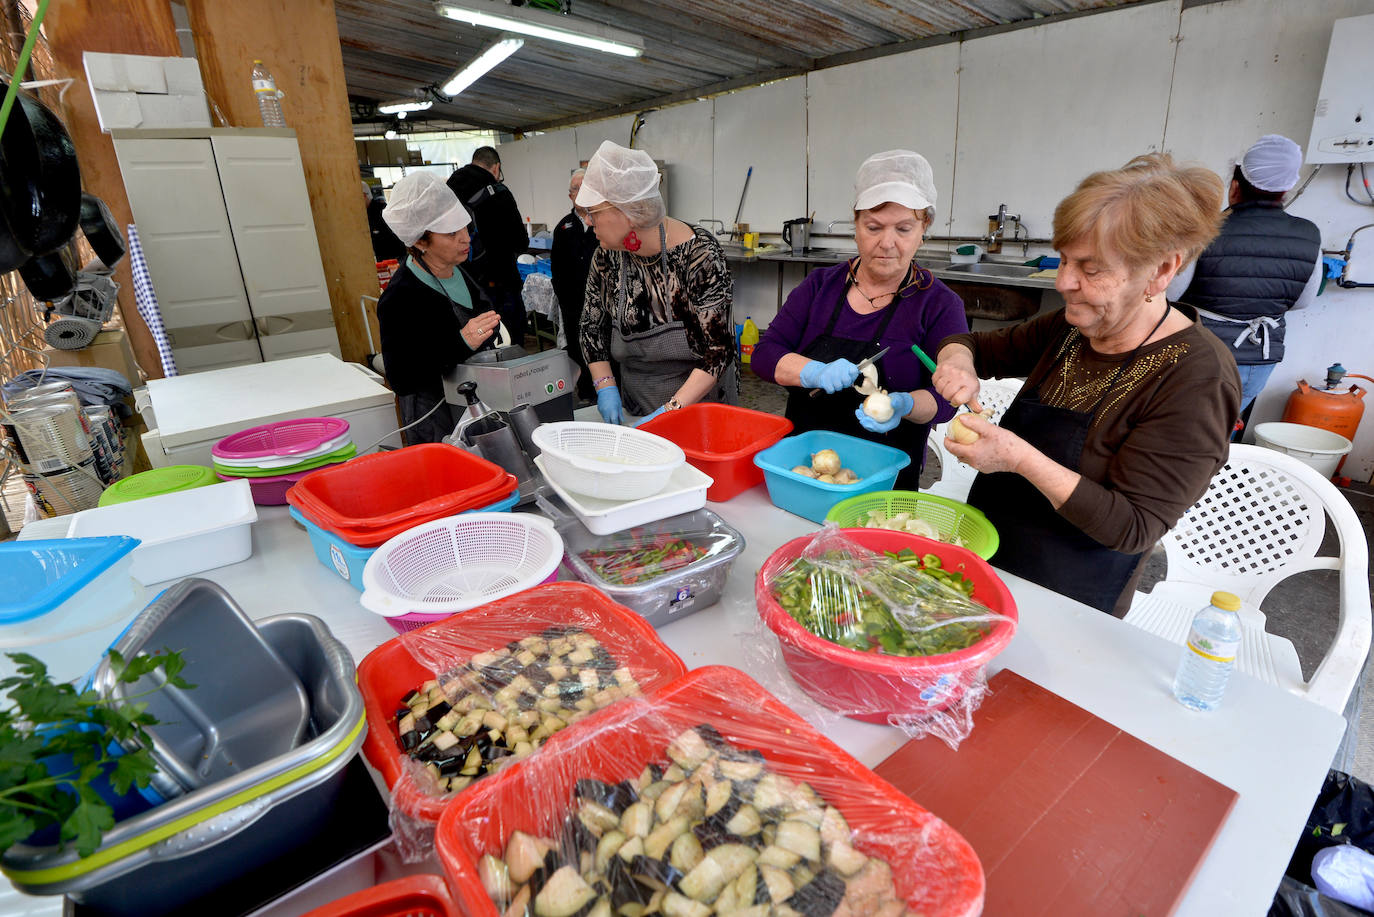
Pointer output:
x,y
705,797
452,702
884,626
664,570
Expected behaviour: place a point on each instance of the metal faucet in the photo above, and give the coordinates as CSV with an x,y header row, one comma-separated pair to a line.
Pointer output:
x,y
720,223
997,231
830,227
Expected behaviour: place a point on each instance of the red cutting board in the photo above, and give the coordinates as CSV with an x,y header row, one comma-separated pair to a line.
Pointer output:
x,y
1068,814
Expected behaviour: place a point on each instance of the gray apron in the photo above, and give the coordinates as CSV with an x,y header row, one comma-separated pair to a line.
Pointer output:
x,y
655,363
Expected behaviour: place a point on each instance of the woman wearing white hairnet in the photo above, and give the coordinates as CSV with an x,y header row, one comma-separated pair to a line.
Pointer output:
x,y
433,315
658,300
841,315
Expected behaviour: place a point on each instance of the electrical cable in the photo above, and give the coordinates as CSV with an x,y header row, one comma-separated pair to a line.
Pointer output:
x,y
1349,171
388,436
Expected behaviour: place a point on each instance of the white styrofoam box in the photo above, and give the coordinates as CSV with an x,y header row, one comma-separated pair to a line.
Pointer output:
x,y
181,110
183,75
181,533
125,72
116,110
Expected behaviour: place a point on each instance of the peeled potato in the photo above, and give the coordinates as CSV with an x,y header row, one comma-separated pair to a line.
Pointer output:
x,y
846,476
826,478
868,384
962,434
827,461
804,471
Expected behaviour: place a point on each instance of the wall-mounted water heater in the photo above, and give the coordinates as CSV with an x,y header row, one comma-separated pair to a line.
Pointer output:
x,y
1343,126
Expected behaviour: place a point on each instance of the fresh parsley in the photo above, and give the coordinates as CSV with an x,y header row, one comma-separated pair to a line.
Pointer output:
x,y
45,721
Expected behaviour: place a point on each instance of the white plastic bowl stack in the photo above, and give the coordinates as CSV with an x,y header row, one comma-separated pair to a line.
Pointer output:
x,y
606,461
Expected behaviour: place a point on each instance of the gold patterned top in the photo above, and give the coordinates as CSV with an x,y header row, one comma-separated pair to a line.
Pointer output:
x,y
1080,378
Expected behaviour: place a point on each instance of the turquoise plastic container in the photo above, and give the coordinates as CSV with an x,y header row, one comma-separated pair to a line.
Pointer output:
x,y
876,465
348,560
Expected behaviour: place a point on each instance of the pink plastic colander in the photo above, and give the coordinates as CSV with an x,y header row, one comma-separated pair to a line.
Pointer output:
x,y
284,437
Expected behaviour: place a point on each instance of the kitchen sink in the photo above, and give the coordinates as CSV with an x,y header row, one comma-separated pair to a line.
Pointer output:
x,y
993,269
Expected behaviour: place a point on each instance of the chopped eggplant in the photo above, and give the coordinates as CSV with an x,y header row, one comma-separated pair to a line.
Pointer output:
x,y
675,905
524,854
799,838
495,878
819,897
654,872
563,895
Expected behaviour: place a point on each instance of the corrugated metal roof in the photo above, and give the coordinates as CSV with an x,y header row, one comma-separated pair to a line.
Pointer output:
x,y
692,47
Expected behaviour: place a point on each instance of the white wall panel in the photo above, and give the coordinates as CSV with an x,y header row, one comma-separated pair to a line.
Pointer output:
x,y
1040,108
907,101
763,127
682,137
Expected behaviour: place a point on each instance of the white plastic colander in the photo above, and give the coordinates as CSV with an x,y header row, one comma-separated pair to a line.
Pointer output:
x,y
606,461
451,565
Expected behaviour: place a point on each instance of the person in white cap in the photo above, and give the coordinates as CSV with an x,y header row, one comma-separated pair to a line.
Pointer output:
x,y
1264,263
1128,401
659,297
433,315
881,300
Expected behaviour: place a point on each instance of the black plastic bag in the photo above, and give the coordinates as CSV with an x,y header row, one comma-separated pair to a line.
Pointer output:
x,y
1297,899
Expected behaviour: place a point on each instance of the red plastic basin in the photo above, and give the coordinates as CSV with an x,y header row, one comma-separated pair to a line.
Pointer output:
x,y
414,896
374,497
934,868
392,669
721,439
870,686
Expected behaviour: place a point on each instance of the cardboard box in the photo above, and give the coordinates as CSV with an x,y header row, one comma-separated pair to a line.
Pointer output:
x,y
125,72
109,350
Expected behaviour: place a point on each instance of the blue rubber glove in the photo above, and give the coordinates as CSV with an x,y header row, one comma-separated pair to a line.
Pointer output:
x,y
902,403
651,416
833,376
608,403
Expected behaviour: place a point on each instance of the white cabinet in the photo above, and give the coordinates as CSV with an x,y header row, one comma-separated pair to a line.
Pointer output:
x,y
224,219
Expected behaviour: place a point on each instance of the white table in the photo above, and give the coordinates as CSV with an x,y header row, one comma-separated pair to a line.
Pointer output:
x,y
1272,747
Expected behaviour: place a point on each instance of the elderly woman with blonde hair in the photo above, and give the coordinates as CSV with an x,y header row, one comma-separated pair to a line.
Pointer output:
x,y
1128,401
659,296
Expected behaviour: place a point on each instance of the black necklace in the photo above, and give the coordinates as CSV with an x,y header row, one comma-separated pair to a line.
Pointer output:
x,y
872,300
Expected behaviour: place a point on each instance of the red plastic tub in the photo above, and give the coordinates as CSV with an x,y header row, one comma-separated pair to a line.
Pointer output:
x,y
392,669
372,498
934,868
413,896
869,686
721,439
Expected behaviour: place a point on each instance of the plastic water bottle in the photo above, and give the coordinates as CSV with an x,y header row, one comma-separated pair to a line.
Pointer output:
x,y
269,100
1210,654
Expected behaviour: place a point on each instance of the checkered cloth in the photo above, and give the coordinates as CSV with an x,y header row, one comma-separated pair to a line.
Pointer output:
x,y
147,303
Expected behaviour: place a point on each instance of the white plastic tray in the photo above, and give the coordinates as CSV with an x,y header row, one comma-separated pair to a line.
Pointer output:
x,y
684,492
182,533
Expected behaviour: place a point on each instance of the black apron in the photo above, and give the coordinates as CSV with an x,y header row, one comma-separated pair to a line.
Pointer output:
x,y
654,363
836,412
1035,541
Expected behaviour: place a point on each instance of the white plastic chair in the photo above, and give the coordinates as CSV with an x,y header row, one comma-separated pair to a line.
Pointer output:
x,y
1261,521
955,477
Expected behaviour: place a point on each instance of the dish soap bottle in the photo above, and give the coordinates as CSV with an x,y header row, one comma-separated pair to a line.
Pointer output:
x,y
747,339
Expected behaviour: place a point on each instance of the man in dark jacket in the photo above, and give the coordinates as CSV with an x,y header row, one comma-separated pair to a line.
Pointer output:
x,y
574,243
499,236
1263,263
385,245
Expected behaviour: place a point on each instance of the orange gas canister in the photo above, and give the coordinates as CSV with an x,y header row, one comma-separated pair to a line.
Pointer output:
x,y
1337,409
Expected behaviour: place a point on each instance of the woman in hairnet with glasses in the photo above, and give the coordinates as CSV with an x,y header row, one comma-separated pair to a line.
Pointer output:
x,y
658,300
433,315
842,315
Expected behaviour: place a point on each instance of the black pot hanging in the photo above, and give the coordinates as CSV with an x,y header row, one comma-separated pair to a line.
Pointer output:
x,y
50,277
40,182
101,230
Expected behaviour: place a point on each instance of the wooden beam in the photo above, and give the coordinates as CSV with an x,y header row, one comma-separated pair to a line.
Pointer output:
x,y
298,40
116,27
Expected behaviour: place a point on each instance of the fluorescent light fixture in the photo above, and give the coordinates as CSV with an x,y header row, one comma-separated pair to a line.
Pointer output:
x,y
403,106
481,65
494,14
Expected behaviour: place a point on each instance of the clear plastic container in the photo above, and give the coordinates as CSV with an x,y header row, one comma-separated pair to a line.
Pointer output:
x,y
269,98
65,601
663,570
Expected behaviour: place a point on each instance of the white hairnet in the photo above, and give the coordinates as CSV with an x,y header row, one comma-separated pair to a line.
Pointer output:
x,y
421,202
896,176
1272,163
618,175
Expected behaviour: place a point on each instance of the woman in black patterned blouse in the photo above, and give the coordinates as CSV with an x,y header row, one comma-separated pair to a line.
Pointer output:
x,y
659,297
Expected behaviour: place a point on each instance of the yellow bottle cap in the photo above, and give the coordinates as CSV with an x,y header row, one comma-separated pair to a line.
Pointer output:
x,y
1226,601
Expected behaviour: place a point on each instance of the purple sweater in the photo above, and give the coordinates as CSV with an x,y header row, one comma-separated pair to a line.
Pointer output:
x,y
924,317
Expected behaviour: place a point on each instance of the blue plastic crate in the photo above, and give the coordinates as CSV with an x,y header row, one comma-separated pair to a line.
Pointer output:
x,y
876,465
348,560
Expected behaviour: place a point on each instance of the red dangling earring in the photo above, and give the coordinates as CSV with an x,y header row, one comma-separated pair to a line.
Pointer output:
x,y
632,243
